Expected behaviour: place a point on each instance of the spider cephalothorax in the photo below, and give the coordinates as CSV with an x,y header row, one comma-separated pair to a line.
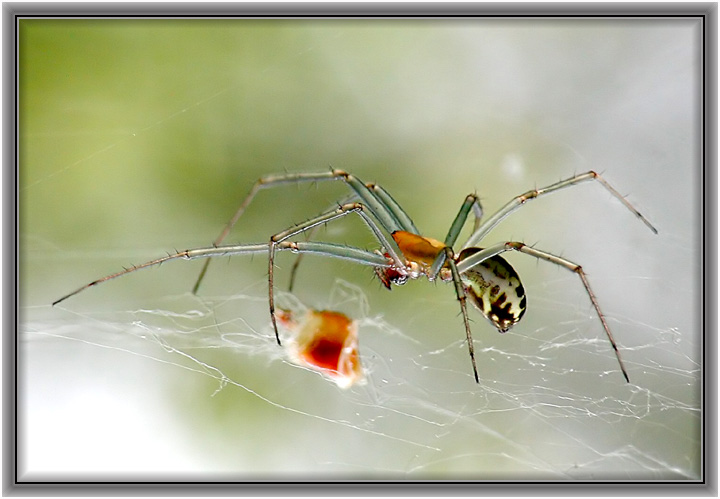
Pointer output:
x,y
481,275
418,254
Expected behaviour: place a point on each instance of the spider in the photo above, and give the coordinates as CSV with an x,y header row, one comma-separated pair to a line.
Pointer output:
x,y
479,275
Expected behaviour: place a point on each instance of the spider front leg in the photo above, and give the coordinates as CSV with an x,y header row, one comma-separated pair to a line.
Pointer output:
x,y
260,184
389,245
386,199
330,250
476,257
387,215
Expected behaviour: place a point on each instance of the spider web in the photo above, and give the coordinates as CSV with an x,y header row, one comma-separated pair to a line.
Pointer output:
x,y
551,403
139,383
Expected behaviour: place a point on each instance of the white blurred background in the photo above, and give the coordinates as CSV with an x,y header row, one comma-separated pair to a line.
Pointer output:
x,y
142,137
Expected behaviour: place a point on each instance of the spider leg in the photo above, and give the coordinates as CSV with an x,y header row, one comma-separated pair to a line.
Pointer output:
x,y
482,255
460,293
349,253
388,245
520,200
384,197
385,215
393,207
298,259
310,235
471,202
158,261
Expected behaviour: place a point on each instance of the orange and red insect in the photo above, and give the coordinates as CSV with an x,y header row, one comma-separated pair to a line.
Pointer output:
x,y
325,341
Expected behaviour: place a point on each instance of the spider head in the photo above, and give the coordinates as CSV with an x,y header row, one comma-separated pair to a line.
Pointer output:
x,y
495,289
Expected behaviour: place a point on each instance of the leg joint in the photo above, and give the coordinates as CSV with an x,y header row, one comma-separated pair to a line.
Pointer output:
x,y
350,207
523,198
514,245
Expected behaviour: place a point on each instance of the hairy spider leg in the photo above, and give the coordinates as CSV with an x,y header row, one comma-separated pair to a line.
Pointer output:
x,y
340,251
385,215
389,245
384,197
394,207
351,198
482,255
520,200
460,293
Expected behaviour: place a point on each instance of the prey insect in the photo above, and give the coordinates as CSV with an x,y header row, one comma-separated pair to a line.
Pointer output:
x,y
325,341
478,274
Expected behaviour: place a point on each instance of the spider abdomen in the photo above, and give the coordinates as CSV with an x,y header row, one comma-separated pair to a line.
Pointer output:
x,y
495,289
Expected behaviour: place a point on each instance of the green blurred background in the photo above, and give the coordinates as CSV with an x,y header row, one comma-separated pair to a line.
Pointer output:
x,y
139,137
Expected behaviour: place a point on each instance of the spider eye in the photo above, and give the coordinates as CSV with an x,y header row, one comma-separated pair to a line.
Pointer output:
x,y
495,289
